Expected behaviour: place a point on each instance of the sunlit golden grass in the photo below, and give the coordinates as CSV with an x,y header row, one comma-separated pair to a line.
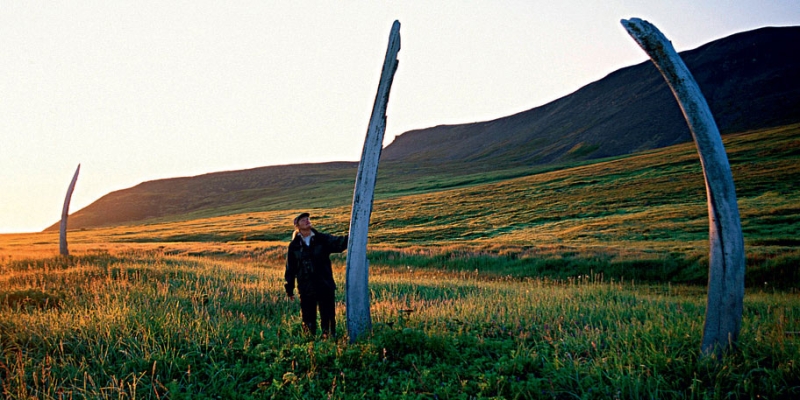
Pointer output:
x,y
556,284
144,324
655,200
648,207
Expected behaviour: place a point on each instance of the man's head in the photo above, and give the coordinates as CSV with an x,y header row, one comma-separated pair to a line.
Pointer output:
x,y
302,221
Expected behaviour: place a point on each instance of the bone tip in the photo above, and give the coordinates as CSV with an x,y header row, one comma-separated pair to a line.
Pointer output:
x,y
631,22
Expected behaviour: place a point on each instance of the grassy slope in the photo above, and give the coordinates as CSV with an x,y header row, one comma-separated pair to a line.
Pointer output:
x,y
142,324
751,80
649,206
131,316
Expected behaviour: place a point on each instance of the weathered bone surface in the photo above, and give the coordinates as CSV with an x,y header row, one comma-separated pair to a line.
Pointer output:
x,y
726,260
62,237
359,320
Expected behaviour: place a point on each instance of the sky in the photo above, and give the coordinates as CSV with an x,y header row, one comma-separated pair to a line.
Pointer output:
x,y
147,90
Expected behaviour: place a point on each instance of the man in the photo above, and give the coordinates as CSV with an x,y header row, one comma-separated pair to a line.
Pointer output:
x,y
308,261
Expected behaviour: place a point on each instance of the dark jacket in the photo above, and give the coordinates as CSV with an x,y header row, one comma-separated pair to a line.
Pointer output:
x,y
311,265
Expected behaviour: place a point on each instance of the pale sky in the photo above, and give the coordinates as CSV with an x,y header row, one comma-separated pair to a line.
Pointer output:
x,y
143,90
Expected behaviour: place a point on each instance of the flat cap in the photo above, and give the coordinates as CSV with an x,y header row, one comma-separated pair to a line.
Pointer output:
x,y
302,215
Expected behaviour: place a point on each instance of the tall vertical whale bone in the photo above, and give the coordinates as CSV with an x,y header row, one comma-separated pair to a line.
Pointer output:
x,y
726,259
62,236
359,320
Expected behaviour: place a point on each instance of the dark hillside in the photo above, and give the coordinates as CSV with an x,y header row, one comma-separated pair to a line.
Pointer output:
x,y
751,80
222,193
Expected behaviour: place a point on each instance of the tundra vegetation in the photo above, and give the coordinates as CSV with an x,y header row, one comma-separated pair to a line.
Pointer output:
x,y
585,281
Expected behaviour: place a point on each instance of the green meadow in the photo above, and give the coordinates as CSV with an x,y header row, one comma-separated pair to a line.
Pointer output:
x,y
583,281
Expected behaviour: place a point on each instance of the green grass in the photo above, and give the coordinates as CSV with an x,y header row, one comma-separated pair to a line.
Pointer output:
x,y
147,325
641,217
580,281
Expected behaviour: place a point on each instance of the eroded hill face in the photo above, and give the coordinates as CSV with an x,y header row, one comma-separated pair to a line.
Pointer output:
x,y
751,80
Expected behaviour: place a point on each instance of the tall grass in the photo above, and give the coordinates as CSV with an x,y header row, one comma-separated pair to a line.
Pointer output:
x,y
553,223
144,324
563,283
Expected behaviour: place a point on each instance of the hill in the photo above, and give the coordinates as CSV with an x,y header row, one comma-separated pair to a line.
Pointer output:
x,y
642,216
751,80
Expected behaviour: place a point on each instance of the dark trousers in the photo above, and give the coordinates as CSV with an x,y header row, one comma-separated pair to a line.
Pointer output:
x,y
326,300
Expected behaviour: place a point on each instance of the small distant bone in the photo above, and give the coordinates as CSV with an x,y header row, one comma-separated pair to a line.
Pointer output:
x,y
62,237
726,260
357,293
